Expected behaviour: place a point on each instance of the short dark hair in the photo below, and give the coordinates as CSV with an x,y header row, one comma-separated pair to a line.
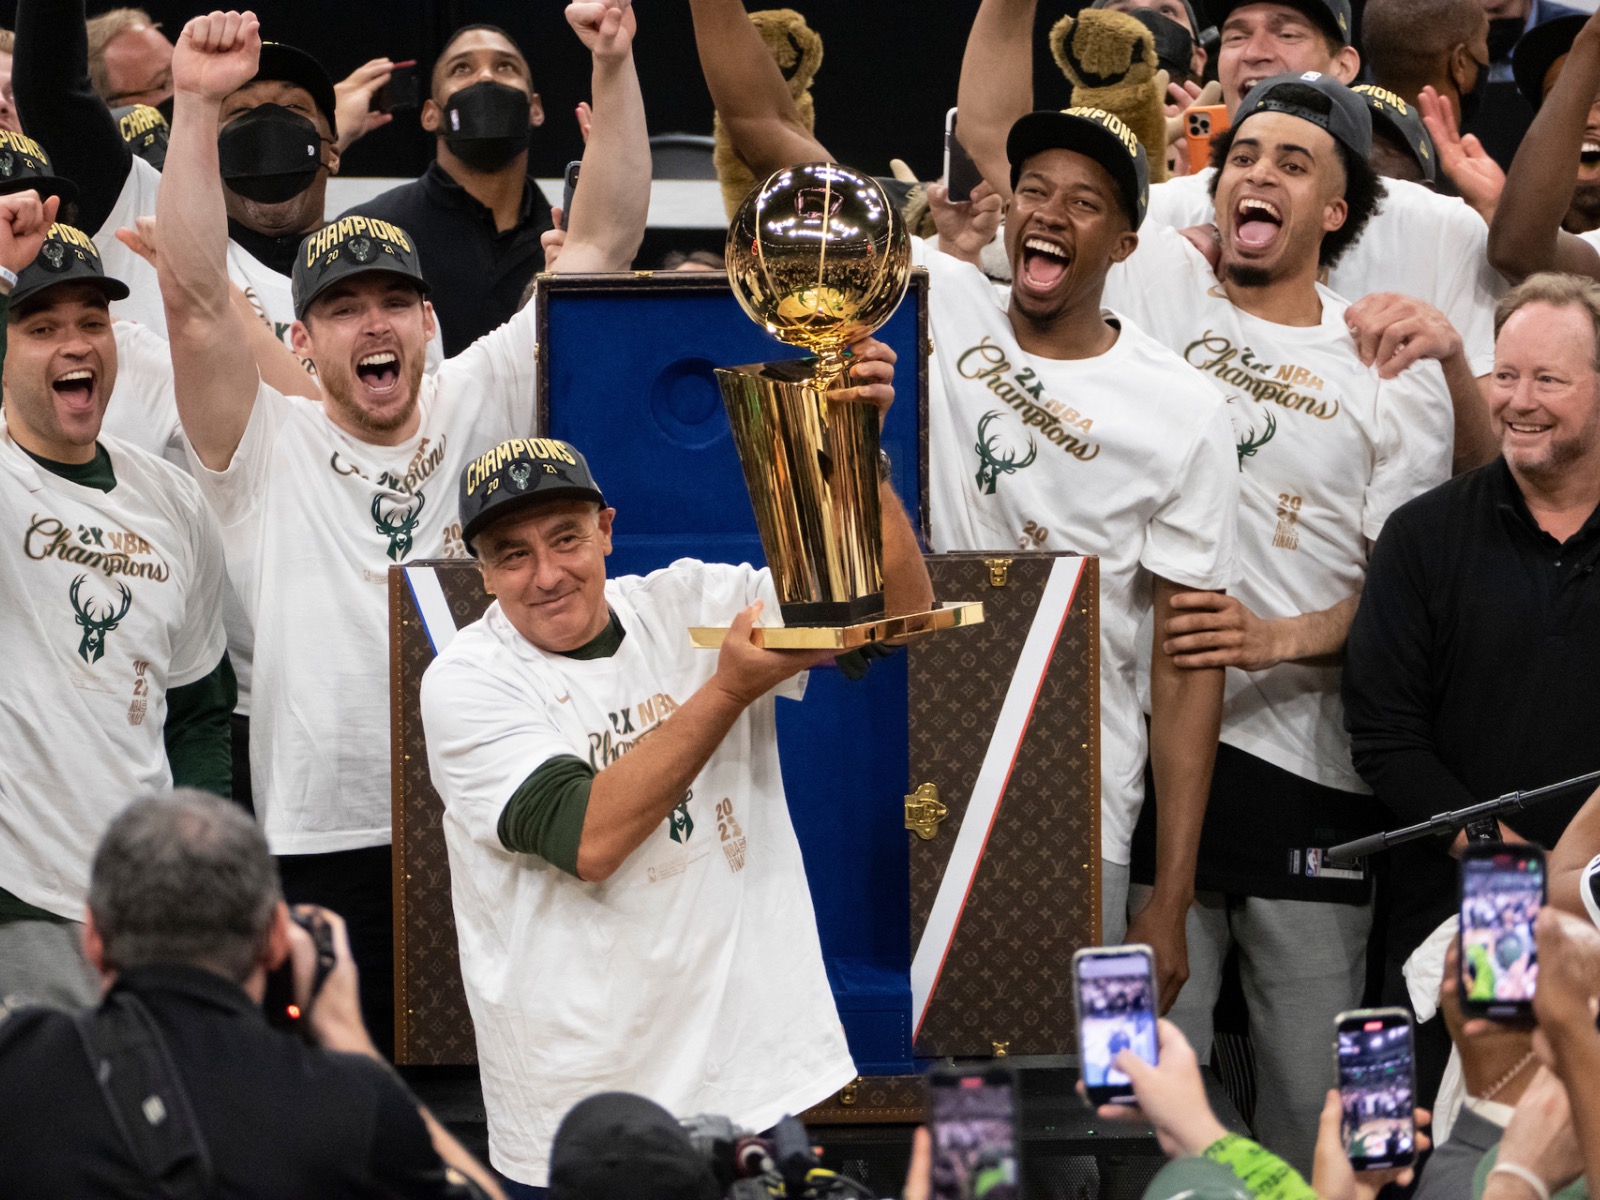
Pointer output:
x,y
477,26
1363,192
1401,40
184,878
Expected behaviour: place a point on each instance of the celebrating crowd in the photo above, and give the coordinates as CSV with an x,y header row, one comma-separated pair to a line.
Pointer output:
x,y
1325,404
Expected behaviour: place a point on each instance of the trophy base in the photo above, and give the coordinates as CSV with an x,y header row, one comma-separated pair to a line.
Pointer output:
x,y
949,615
828,613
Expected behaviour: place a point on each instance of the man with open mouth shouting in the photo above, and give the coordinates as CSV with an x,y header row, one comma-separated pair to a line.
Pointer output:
x,y
318,500
111,578
1326,449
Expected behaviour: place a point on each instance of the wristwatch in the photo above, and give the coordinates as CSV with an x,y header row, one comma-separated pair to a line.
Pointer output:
x,y
884,465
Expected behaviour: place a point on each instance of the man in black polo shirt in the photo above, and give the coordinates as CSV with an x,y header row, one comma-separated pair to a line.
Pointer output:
x,y
475,214
185,919
1472,658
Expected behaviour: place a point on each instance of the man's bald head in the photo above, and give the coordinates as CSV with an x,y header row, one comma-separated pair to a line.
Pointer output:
x,y
1409,44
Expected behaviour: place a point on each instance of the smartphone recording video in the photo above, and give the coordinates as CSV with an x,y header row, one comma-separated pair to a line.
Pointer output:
x,y
1116,995
1377,1086
972,1117
1502,890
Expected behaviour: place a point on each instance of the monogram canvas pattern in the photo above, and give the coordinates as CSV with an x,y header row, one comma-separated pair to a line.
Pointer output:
x,y
1036,896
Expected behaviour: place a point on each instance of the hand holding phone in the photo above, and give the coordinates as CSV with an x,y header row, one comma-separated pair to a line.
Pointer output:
x,y
403,91
1377,1087
961,174
1503,887
1115,990
1201,124
972,1118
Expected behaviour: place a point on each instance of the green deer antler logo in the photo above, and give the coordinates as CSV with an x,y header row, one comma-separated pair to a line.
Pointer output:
x,y
990,467
398,525
1251,443
95,628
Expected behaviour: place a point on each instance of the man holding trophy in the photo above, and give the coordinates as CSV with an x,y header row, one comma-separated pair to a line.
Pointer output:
x,y
630,899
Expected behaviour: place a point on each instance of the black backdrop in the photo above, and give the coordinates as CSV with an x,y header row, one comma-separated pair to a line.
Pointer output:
x,y
889,70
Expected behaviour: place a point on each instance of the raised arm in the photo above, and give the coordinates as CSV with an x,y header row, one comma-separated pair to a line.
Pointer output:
x,y
749,91
60,110
1525,236
214,374
607,226
996,84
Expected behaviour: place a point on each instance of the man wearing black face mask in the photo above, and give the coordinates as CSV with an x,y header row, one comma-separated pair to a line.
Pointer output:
x,y
276,163
476,215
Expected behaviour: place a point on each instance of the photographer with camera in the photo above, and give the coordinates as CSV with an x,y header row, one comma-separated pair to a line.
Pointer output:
x,y
176,1085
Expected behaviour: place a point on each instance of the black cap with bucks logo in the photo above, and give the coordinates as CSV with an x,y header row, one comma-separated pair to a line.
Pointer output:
x,y
352,246
67,256
1094,133
24,164
519,473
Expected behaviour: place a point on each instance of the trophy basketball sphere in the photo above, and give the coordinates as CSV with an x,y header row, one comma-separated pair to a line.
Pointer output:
x,y
819,258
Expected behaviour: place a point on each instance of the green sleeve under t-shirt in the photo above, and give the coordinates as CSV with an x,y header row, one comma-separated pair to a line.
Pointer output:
x,y
545,814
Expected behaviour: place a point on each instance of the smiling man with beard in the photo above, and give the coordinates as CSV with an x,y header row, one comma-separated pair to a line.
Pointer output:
x,y
318,500
111,579
1326,450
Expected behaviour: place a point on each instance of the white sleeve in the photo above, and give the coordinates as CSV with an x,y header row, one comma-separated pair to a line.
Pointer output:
x,y
485,735
1469,288
1180,202
1416,440
501,369
202,639
236,492
1193,539
1154,283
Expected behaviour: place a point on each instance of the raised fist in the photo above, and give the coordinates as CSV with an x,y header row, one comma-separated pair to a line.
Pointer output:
x,y
606,27
24,221
217,54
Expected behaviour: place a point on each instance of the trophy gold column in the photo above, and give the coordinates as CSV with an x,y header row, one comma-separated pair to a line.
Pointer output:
x,y
819,258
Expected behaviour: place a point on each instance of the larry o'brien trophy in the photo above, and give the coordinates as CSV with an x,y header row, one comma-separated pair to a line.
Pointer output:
x,y
819,258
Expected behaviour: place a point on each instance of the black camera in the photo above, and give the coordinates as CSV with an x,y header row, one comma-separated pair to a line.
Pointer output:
x,y
780,1162
282,1008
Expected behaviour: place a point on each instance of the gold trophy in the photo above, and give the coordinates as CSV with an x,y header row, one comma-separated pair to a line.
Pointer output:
x,y
820,259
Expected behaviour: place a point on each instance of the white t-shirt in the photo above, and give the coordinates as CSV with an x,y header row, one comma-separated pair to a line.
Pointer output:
x,y
143,411
1128,456
268,291
107,600
693,975
312,519
1326,451
1419,243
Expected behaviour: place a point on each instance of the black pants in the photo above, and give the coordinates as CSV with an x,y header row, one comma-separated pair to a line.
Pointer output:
x,y
358,885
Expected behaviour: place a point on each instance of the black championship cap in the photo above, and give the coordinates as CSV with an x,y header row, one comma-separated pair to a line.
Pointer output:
x,y
351,246
1094,132
145,131
518,473
1328,105
1404,123
68,255
285,64
1537,50
1333,15
617,1146
24,165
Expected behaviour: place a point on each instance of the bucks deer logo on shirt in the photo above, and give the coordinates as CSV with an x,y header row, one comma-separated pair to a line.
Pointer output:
x,y
398,523
1248,446
679,823
97,620
990,465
